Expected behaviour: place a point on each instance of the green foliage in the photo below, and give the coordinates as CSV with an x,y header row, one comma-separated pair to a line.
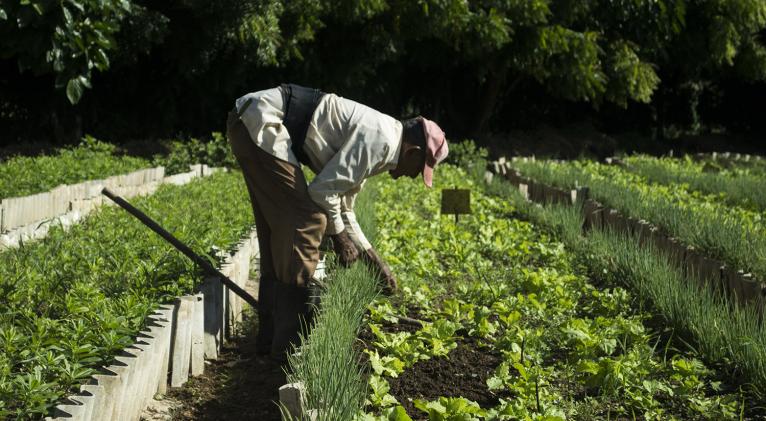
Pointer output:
x,y
398,54
510,287
92,159
730,233
722,335
631,78
66,38
736,189
327,365
74,299
214,152
465,154
451,409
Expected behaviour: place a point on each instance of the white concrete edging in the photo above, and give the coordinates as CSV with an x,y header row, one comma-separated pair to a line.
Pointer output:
x,y
30,217
173,345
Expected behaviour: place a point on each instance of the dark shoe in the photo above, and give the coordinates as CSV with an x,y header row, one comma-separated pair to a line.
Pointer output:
x,y
279,358
292,316
265,335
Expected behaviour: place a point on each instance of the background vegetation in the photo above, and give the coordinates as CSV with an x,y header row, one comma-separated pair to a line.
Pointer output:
x,y
120,69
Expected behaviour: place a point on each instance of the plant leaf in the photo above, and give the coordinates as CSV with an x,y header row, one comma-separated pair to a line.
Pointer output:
x,y
74,90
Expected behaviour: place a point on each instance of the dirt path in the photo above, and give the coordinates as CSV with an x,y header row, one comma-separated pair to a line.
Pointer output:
x,y
239,385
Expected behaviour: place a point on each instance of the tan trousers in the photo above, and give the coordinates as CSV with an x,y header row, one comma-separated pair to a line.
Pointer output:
x,y
290,225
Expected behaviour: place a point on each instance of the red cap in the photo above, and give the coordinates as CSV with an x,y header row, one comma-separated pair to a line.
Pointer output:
x,y
436,149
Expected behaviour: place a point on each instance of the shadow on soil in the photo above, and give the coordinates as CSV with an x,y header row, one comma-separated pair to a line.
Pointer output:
x,y
240,385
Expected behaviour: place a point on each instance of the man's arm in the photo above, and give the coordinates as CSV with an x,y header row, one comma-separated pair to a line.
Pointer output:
x,y
343,173
335,189
368,254
349,219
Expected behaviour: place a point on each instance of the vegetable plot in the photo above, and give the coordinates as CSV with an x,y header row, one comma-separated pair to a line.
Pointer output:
x,y
514,329
732,234
21,176
74,299
736,189
755,165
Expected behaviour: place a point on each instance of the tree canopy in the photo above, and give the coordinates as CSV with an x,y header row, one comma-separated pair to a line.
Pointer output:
x,y
148,68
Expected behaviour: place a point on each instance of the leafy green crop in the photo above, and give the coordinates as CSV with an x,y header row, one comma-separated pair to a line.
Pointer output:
x,y
569,349
73,299
21,176
736,189
214,152
733,234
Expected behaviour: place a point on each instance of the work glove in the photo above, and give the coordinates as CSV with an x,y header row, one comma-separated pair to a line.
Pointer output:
x,y
386,279
344,248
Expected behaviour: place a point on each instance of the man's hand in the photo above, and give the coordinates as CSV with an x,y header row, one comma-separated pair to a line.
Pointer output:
x,y
344,248
385,277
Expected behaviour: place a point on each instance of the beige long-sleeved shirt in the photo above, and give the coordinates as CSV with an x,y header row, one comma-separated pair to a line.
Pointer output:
x,y
346,143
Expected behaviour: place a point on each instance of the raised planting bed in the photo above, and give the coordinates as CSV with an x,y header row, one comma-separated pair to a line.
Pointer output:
x,y
546,340
731,187
325,379
734,235
76,299
667,278
736,163
22,176
27,218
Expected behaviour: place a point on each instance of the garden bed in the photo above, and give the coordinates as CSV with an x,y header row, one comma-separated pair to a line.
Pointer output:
x,y
76,299
726,335
21,176
461,373
567,346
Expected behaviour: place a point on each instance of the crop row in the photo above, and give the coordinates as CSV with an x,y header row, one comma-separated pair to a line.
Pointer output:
x,y
21,176
327,365
93,159
734,235
542,340
743,190
733,163
726,335
74,299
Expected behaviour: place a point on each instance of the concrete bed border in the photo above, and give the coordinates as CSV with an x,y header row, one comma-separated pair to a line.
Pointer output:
x,y
173,345
30,217
741,286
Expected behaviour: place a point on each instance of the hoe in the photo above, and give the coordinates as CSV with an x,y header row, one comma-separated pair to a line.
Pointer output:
x,y
183,248
196,258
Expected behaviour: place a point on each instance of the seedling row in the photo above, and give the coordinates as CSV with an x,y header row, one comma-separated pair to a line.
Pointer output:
x,y
23,176
733,187
732,234
76,298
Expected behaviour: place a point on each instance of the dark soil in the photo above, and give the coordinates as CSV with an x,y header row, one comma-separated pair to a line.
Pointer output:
x,y
239,385
463,373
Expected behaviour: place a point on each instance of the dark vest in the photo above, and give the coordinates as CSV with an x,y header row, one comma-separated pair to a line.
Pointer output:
x,y
300,104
